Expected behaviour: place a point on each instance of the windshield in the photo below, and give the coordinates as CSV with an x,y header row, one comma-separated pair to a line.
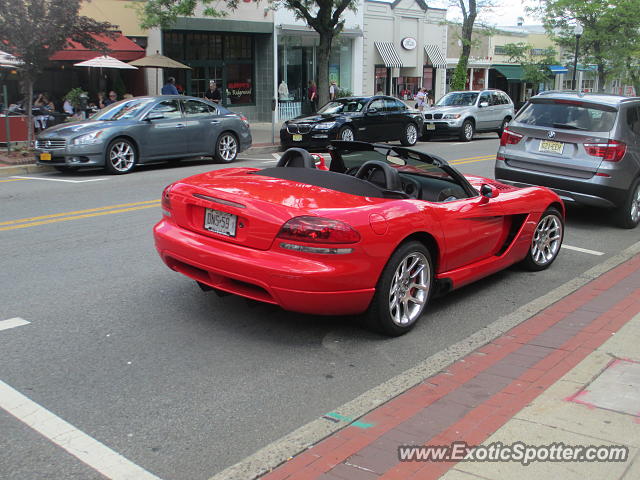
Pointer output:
x,y
568,114
458,99
122,110
343,106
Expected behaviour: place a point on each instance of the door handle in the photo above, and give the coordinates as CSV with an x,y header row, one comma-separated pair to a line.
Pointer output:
x,y
214,122
180,125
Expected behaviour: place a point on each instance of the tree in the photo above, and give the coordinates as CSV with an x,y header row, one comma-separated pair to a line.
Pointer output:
x,y
33,30
535,67
610,29
324,16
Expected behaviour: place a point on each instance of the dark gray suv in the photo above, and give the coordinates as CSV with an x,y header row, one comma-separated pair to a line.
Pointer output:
x,y
585,147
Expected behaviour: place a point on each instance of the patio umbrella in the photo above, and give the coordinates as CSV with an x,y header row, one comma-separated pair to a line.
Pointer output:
x,y
105,61
158,61
9,61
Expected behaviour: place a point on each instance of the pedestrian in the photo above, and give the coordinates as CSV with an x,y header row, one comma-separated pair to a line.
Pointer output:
x,y
312,95
113,98
213,93
100,103
421,97
333,91
169,88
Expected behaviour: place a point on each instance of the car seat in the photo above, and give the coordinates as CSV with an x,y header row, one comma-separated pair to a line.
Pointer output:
x,y
296,158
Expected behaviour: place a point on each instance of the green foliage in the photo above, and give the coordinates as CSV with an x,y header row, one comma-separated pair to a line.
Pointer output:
x,y
534,66
344,92
76,96
118,85
459,80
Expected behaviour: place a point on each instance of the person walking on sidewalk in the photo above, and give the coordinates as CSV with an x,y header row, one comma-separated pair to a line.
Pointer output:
x,y
312,95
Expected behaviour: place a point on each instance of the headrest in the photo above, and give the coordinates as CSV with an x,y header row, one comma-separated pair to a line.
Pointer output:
x,y
297,158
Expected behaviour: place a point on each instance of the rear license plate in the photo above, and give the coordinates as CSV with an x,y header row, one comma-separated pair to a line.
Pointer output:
x,y
220,222
296,138
431,126
551,147
45,157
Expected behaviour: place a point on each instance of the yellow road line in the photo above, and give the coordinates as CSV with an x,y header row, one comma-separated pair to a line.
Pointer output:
x,y
13,180
492,157
469,158
77,212
65,219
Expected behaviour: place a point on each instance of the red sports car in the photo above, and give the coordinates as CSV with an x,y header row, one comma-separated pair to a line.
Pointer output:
x,y
378,233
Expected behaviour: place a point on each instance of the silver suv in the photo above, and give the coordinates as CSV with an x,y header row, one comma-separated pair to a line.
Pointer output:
x,y
586,147
464,113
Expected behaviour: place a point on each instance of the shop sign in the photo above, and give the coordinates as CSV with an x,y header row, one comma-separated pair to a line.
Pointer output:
x,y
409,43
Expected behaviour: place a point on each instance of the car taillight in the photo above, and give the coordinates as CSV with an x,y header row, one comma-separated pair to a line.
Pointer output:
x,y
166,201
244,120
609,152
318,230
509,138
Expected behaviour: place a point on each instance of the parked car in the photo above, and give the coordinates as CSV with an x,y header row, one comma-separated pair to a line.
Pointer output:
x,y
586,147
377,118
145,129
380,232
464,113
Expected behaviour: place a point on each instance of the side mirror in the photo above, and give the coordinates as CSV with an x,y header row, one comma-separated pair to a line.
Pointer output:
x,y
154,116
489,191
484,104
372,110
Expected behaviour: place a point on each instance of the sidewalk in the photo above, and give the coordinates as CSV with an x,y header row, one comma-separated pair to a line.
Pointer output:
x,y
569,374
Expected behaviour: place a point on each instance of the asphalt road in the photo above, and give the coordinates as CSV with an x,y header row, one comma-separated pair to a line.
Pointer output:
x,y
181,382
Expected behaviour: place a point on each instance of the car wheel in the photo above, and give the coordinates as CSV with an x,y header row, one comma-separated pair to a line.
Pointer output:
x,y
226,148
505,124
346,134
628,215
403,290
467,131
410,135
121,156
546,241
64,169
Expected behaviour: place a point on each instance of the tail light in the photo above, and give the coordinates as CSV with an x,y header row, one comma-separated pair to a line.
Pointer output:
x,y
509,138
318,230
609,152
166,201
244,120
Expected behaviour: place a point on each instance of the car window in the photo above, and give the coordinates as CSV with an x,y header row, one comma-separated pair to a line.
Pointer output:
x,y
122,110
170,109
633,119
196,107
495,99
349,105
390,105
569,114
464,99
485,97
378,105
505,99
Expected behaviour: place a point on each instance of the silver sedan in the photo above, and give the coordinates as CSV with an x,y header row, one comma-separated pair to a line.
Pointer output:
x,y
142,130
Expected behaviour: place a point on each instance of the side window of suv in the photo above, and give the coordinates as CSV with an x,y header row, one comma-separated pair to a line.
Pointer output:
x,y
505,98
496,99
633,119
485,97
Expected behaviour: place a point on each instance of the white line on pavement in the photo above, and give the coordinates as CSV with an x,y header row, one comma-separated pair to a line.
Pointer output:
x,y
583,250
276,156
90,451
61,180
12,323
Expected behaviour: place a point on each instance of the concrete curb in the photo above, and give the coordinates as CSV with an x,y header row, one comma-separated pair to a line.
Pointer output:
x,y
263,149
22,169
269,457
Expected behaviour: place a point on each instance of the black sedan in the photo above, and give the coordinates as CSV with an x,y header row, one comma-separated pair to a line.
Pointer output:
x,y
371,119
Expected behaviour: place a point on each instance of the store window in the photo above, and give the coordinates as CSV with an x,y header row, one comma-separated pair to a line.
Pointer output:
x,y
382,76
239,47
239,83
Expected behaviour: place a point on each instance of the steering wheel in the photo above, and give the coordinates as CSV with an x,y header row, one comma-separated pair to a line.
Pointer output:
x,y
380,174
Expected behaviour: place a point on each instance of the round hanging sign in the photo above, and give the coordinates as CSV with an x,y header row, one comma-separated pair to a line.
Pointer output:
x,y
409,43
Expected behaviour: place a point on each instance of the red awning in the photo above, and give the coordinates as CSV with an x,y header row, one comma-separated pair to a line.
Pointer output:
x,y
121,48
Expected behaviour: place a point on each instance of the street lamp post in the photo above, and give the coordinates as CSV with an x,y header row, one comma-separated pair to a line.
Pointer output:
x,y
577,31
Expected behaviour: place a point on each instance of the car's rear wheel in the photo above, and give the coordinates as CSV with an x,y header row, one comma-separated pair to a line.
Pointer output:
x,y
121,156
346,134
226,148
410,136
628,215
505,124
467,131
546,241
403,290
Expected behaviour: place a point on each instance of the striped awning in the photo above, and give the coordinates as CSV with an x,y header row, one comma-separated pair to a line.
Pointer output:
x,y
436,55
389,54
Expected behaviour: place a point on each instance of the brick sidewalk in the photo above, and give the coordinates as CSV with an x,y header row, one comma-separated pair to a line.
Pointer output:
x,y
479,393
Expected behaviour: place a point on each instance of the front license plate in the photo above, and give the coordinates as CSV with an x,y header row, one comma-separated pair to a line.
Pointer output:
x,y
220,222
296,138
431,126
45,157
551,147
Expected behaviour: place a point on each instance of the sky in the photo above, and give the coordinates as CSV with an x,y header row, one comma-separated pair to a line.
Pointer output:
x,y
505,13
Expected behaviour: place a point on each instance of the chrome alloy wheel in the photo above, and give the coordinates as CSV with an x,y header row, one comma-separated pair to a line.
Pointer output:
x,y
468,131
634,211
412,134
122,156
227,147
547,239
347,135
409,289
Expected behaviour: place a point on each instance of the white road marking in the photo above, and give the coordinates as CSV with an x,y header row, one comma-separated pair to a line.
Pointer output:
x,y
583,250
61,180
12,323
276,156
90,451
246,159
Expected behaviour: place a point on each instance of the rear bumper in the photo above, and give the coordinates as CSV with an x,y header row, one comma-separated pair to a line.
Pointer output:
x,y
300,284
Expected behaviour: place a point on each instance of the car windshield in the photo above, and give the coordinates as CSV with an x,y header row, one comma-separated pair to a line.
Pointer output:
x,y
460,99
343,106
568,114
122,110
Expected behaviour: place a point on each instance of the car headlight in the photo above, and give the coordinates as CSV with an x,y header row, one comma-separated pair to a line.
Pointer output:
x,y
89,138
451,116
324,125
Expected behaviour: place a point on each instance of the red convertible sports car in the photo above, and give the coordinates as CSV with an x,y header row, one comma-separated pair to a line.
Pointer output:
x,y
379,233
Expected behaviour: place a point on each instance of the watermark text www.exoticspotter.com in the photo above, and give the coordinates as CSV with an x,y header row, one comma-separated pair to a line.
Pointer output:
x,y
515,452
